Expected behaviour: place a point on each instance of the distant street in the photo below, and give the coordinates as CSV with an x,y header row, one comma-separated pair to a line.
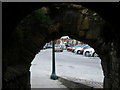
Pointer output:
x,y
68,64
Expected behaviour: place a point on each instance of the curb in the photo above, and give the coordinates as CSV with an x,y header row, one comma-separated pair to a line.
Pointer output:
x,y
73,83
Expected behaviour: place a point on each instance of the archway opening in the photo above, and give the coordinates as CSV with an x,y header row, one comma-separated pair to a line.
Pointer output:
x,y
70,65
76,21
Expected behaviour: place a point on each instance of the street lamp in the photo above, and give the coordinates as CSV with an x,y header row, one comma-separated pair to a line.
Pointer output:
x,y
53,75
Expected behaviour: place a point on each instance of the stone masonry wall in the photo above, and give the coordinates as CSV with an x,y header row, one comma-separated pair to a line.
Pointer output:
x,y
40,27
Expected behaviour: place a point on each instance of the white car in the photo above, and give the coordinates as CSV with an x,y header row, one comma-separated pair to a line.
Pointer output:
x,y
90,52
58,48
80,50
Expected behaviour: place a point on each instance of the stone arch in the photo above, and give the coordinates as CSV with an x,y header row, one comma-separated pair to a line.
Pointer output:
x,y
43,25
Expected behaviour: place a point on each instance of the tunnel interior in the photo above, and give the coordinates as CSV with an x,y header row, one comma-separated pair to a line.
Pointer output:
x,y
49,22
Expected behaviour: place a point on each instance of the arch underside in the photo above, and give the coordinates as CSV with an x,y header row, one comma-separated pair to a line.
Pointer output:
x,y
43,25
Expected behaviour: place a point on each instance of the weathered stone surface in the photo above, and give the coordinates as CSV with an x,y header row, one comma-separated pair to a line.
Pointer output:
x,y
44,25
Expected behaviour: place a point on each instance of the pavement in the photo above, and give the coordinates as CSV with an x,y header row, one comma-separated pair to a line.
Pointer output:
x,y
43,81
41,69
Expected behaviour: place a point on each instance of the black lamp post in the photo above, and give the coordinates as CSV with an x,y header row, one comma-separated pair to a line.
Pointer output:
x,y
53,75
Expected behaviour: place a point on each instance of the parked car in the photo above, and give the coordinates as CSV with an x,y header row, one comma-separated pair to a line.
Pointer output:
x,y
69,48
58,48
76,46
63,46
80,50
90,52
49,46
